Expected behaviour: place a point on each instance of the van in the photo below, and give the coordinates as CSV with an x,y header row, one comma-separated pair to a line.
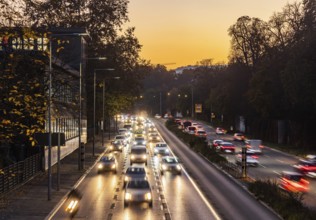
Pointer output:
x,y
255,145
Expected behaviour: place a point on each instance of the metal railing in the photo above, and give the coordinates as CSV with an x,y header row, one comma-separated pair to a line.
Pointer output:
x,y
18,173
231,168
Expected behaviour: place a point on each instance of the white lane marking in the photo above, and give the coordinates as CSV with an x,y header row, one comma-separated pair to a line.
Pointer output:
x,y
202,196
276,172
64,199
262,166
280,161
198,190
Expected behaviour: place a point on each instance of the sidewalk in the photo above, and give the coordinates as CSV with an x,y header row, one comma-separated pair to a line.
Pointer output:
x,y
30,201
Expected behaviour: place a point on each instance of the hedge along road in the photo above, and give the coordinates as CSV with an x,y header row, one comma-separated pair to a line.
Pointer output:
x,y
229,198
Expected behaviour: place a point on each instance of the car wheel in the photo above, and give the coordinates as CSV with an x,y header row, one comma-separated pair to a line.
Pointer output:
x,y
146,164
125,204
151,204
180,173
161,172
131,163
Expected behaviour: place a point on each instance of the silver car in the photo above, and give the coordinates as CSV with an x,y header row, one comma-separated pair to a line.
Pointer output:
x,y
138,191
170,164
252,158
134,173
161,149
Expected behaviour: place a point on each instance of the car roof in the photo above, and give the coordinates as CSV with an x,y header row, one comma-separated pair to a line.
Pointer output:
x,y
138,146
226,143
291,173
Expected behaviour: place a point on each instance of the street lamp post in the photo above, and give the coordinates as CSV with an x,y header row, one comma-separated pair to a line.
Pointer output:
x,y
103,102
192,107
49,107
94,107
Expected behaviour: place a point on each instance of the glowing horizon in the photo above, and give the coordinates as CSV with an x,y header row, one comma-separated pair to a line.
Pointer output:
x,y
185,32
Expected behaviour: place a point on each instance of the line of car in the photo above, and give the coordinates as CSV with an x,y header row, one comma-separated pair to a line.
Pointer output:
x,y
139,139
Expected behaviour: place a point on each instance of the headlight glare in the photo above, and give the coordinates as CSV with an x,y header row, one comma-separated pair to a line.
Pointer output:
x,y
128,196
148,196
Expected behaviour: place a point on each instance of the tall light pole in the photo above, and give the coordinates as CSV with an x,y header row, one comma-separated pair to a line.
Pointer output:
x,y
160,104
192,103
103,103
94,103
49,105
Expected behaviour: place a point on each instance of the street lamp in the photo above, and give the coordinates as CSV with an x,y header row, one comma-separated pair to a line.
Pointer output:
x,y
103,102
94,97
49,107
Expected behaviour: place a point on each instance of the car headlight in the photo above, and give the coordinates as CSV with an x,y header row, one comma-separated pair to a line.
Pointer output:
x,y
144,142
148,196
113,166
135,142
100,166
150,138
144,156
178,167
132,157
111,147
164,167
156,150
126,179
167,150
128,196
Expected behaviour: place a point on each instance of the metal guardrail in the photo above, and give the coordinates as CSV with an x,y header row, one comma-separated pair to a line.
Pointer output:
x,y
231,168
18,173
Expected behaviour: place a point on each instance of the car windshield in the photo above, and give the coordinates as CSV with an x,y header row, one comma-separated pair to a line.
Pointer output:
x,y
170,160
120,137
138,151
295,178
106,159
139,139
138,185
135,170
227,144
161,145
153,134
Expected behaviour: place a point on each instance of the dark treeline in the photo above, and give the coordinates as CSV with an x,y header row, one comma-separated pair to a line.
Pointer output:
x,y
269,82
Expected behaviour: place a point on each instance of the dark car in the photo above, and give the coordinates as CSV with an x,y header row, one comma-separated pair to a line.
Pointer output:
x,y
116,146
134,173
139,140
107,163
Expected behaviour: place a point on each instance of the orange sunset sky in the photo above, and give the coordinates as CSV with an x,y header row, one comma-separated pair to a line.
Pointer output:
x,y
187,31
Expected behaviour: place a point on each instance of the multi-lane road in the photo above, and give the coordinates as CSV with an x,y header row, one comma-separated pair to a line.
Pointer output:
x,y
272,163
201,192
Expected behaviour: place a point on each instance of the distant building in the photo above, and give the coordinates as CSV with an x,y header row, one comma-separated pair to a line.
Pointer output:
x,y
66,64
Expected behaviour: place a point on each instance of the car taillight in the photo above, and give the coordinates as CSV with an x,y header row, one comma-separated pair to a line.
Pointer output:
x,y
304,181
254,157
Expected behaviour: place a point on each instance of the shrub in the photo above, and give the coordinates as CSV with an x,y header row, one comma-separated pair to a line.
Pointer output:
x,y
288,205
